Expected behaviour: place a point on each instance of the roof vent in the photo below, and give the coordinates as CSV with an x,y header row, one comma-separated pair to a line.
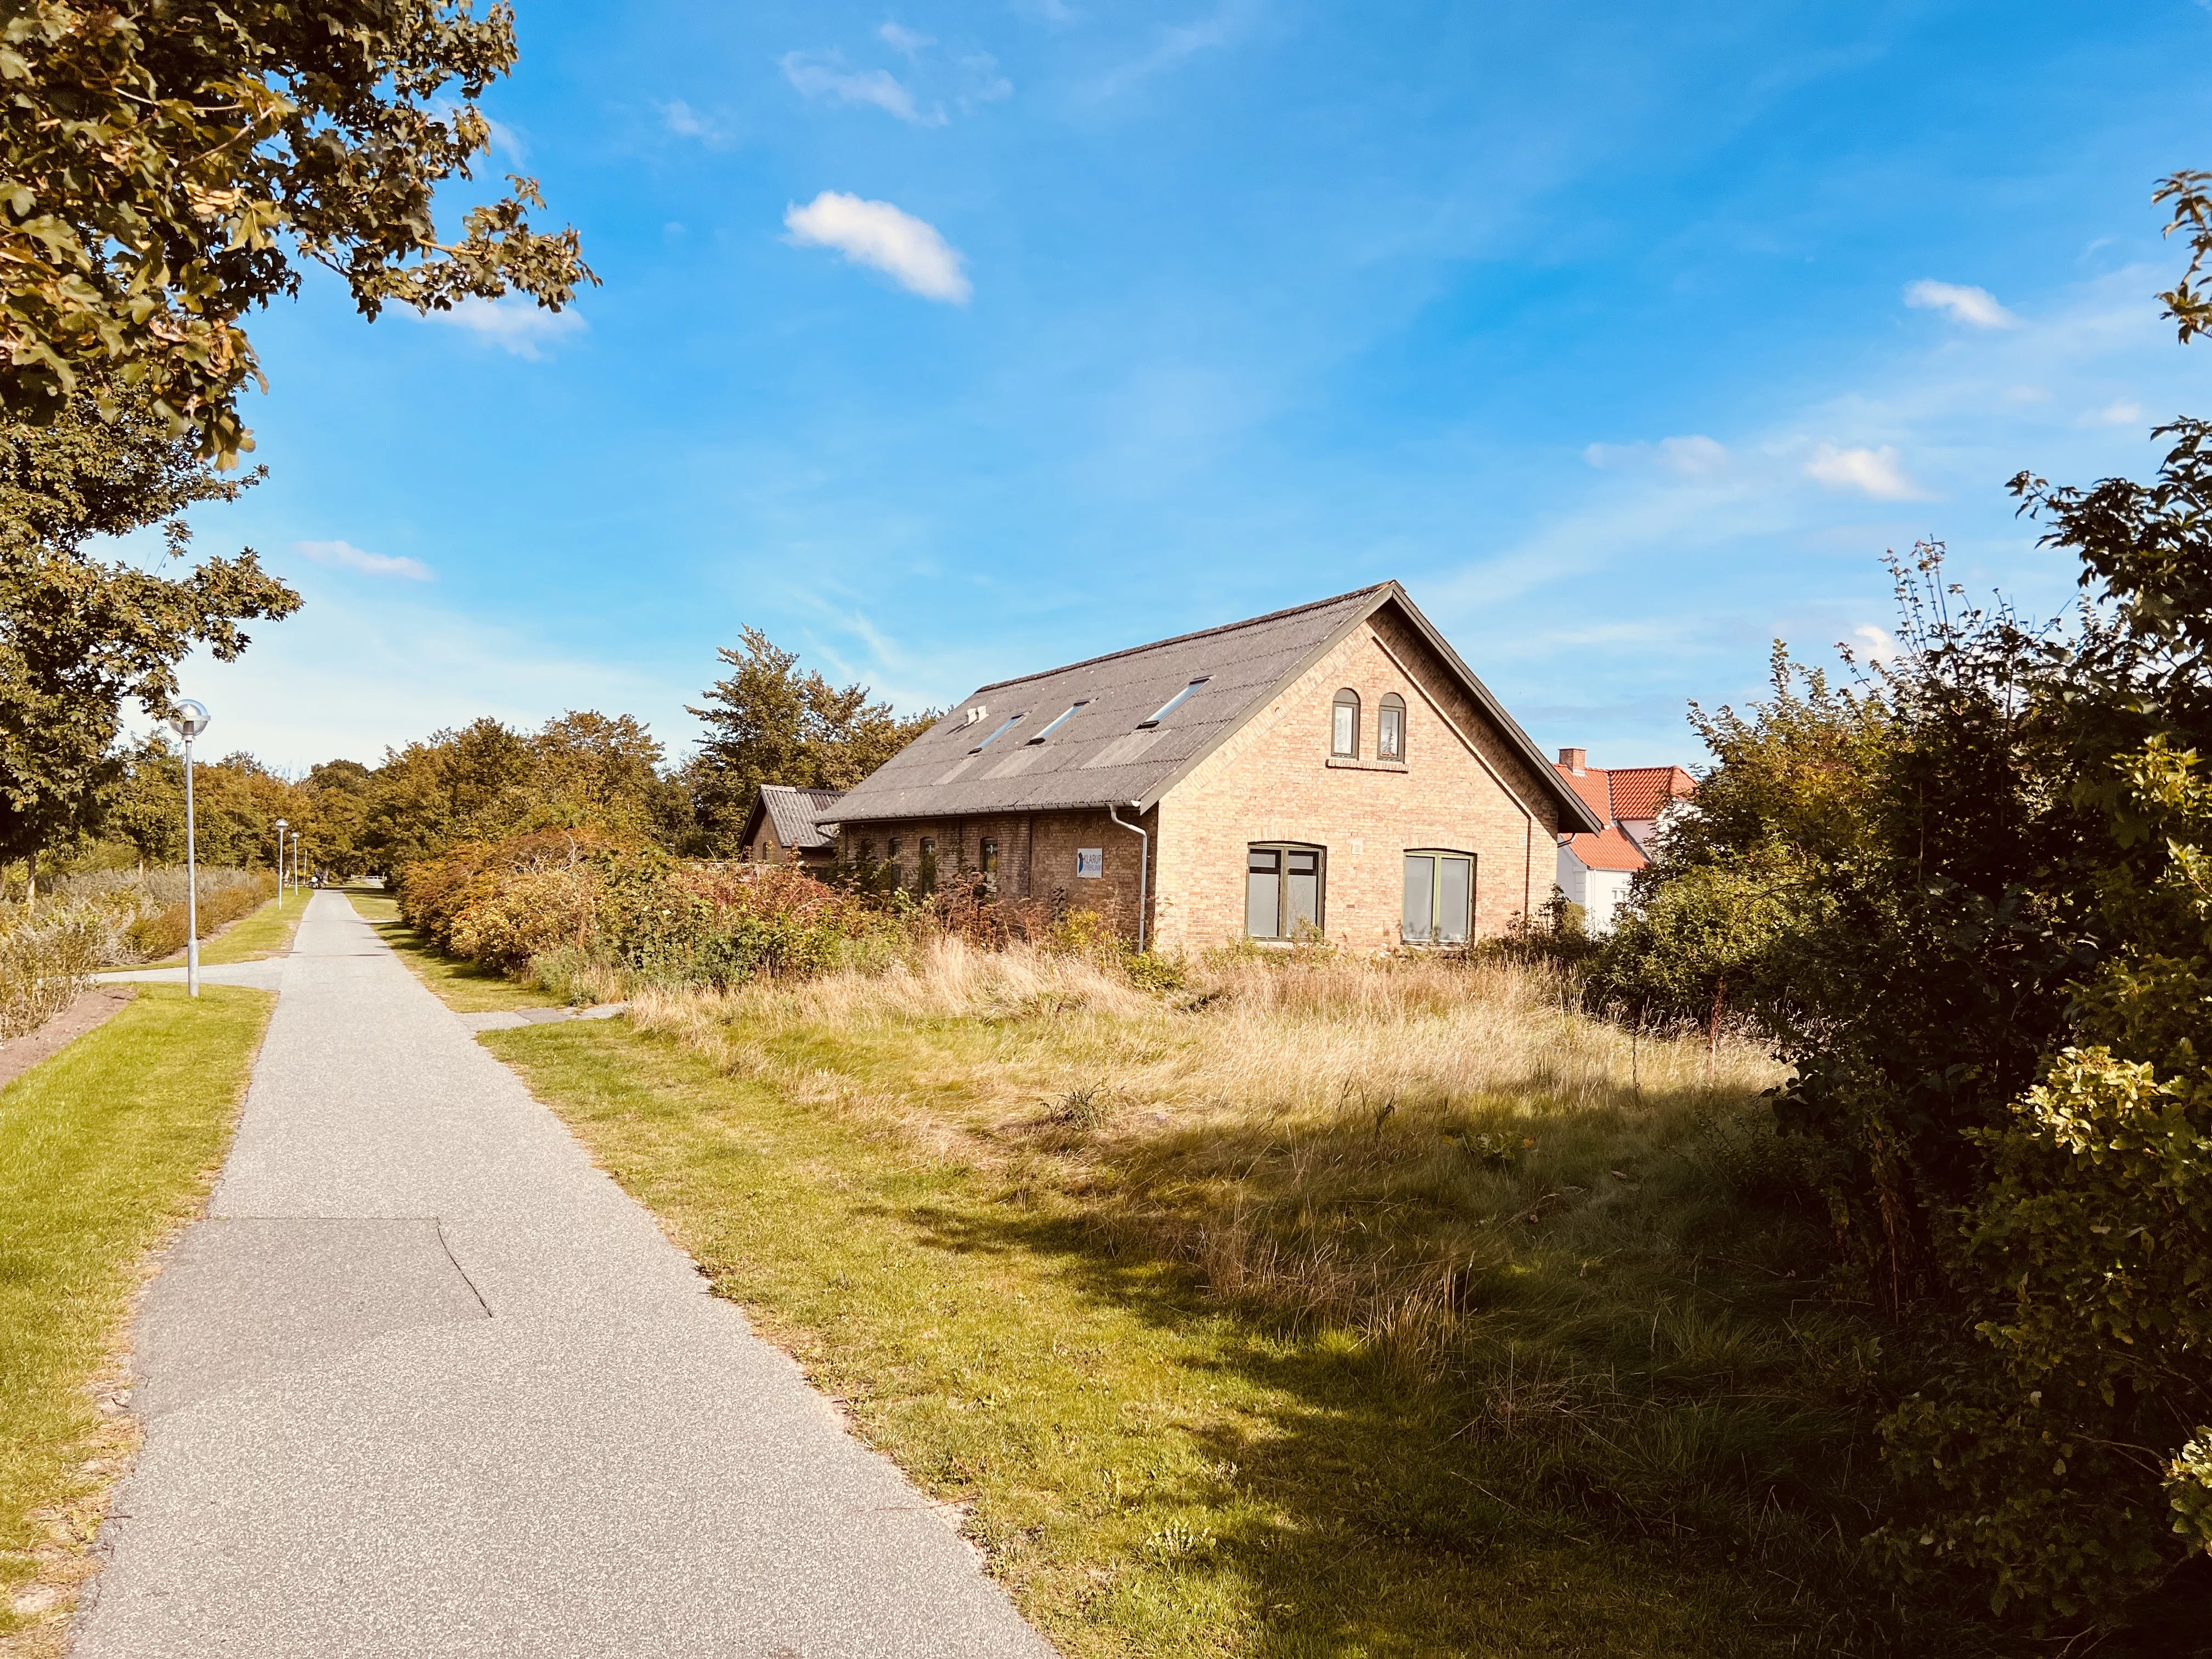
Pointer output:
x,y
975,715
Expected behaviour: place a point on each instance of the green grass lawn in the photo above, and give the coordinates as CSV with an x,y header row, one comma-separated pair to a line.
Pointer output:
x,y
103,1148
259,934
463,986
1155,1471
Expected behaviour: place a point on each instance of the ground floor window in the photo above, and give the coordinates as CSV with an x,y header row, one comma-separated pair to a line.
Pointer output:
x,y
1282,891
1439,897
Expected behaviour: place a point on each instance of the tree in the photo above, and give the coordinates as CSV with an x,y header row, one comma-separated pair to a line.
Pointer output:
x,y
2067,1453
146,808
486,780
79,636
335,818
769,723
168,170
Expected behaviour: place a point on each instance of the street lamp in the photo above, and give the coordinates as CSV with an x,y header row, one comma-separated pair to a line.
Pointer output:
x,y
295,857
191,719
280,863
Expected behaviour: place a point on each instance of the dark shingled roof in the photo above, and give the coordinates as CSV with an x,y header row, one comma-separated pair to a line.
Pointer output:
x,y
1104,754
792,814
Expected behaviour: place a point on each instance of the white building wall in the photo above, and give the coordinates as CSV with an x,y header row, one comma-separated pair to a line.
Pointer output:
x,y
1600,892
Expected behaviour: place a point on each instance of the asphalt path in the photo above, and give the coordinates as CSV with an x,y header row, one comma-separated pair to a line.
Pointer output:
x,y
425,1382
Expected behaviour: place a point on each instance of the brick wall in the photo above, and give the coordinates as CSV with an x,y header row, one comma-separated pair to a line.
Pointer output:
x,y
1036,855
1273,781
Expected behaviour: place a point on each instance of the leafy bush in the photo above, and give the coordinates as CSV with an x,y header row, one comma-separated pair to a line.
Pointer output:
x,y
47,955
1697,946
586,901
224,895
1977,894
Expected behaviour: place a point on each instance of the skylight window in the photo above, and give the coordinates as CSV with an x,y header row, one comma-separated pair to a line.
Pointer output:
x,y
1174,702
1004,726
1062,720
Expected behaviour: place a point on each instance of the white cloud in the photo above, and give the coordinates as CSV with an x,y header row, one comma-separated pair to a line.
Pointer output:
x,y
828,78
1874,472
1692,456
344,556
680,119
1876,644
901,40
2119,413
515,325
1974,305
1179,42
985,85
877,234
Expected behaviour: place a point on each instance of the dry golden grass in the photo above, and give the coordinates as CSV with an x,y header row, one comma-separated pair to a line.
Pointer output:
x,y
1347,1140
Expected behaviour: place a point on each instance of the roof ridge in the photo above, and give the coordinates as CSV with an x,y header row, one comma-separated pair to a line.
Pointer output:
x,y
1181,639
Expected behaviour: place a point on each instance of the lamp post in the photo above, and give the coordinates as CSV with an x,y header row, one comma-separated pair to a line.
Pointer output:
x,y
280,827
191,719
295,857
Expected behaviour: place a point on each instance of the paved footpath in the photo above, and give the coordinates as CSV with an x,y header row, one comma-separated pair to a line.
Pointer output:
x,y
424,1382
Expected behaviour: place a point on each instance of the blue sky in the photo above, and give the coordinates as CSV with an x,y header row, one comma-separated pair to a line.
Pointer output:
x,y
1627,336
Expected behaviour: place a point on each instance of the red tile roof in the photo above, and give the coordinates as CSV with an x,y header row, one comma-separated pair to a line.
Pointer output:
x,y
1590,785
1618,792
1638,791
1612,850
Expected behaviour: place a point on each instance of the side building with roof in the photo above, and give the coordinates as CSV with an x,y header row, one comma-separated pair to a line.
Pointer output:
x,y
1596,870
782,828
1335,769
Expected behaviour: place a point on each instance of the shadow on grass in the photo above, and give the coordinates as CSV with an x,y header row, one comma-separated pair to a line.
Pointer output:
x,y
1639,1457
1612,1513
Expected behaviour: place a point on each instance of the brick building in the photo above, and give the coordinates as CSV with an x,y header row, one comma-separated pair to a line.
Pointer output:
x,y
781,829
1332,769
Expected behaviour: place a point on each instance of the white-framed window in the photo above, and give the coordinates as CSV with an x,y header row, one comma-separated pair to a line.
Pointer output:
x,y
1283,895
1439,896
1090,861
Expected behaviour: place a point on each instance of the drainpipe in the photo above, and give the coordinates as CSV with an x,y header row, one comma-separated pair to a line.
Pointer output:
x,y
1143,865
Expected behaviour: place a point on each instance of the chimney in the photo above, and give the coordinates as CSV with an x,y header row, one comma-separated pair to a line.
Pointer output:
x,y
1575,760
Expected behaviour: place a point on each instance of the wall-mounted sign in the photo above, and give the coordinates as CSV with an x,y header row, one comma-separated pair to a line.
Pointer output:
x,y
1090,861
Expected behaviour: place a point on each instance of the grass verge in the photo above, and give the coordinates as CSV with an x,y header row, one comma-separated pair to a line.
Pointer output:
x,y
1221,1357
464,987
103,1149
260,934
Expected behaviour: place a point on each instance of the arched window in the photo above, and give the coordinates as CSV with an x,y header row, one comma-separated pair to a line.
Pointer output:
x,y
1390,728
1344,728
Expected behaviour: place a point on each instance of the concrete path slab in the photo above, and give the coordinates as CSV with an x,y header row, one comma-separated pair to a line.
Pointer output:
x,y
267,975
425,1382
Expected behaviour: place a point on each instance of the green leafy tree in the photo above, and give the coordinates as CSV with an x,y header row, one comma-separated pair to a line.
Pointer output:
x,y
470,784
147,807
167,170
486,780
2067,1455
335,818
80,636
769,723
